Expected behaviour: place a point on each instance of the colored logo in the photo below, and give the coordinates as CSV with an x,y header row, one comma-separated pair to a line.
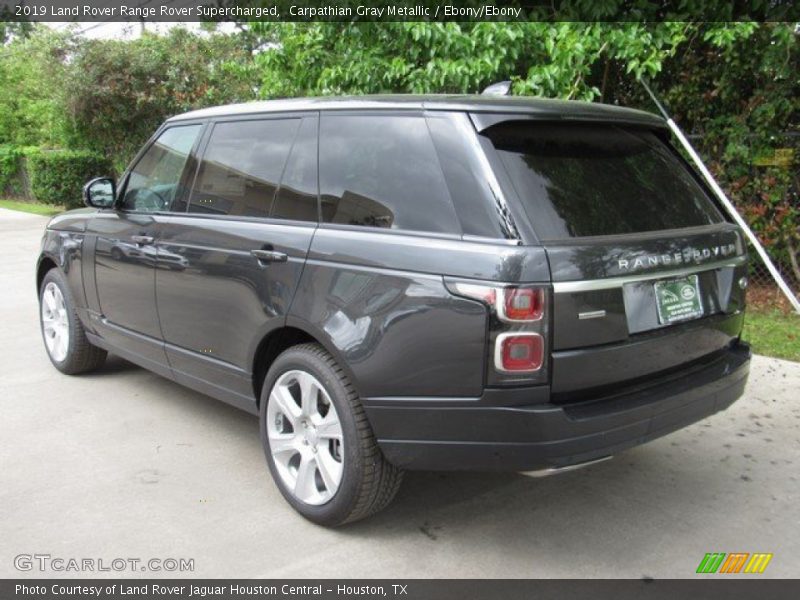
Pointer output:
x,y
687,292
735,562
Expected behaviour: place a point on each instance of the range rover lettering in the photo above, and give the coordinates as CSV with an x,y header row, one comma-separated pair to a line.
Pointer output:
x,y
410,282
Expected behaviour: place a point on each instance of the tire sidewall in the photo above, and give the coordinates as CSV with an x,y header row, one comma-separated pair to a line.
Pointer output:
x,y
336,509
55,276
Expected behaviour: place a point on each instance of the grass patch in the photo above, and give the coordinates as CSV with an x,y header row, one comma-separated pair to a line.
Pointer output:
x,y
37,208
773,334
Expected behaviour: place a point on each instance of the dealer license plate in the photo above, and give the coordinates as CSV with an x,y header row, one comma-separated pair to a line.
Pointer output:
x,y
678,299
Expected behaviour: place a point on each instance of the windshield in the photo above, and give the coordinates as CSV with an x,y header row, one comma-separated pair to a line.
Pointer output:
x,y
592,180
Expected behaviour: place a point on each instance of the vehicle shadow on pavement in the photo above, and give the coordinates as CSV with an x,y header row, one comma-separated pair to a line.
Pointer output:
x,y
466,496
113,366
642,490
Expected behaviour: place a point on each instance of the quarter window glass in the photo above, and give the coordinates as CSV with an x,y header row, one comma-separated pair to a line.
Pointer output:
x,y
382,171
241,167
154,183
478,211
297,196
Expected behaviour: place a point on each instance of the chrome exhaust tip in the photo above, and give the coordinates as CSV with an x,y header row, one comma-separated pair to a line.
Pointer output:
x,y
558,470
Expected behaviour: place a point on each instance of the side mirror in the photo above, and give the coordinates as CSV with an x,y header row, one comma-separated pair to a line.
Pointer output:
x,y
100,193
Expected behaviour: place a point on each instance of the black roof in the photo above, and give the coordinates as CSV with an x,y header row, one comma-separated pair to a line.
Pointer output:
x,y
536,108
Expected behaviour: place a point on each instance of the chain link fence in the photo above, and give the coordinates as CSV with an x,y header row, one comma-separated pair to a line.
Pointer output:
x,y
762,292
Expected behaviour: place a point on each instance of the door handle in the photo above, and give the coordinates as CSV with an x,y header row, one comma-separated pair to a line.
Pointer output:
x,y
142,239
269,256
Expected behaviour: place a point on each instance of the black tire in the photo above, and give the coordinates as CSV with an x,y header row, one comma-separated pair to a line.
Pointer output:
x,y
369,482
81,355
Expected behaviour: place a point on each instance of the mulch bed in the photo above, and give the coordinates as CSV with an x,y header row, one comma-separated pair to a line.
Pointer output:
x,y
763,298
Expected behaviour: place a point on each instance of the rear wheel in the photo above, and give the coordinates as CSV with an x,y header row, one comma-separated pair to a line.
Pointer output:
x,y
64,336
320,448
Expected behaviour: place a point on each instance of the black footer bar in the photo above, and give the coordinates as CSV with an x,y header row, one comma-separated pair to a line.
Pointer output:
x,y
702,588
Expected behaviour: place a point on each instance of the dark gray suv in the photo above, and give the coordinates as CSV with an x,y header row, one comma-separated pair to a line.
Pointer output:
x,y
407,282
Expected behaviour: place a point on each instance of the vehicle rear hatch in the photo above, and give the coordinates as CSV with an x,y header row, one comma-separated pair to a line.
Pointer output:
x,y
646,269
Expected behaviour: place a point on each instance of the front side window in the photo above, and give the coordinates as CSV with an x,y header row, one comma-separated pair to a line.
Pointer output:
x,y
242,166
596,180
154,183
382,171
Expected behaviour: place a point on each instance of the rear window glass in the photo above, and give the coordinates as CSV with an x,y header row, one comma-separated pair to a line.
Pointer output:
x,y
587,180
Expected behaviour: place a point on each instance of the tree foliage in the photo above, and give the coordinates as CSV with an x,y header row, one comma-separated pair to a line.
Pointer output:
x,y
543,59
10,30
735,85
32,73
118,92
57,176
108,96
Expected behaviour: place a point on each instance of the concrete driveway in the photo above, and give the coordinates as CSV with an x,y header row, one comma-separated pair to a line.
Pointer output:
x,y
123,463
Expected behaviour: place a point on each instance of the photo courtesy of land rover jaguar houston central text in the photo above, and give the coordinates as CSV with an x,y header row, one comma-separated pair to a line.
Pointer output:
x,y
410,282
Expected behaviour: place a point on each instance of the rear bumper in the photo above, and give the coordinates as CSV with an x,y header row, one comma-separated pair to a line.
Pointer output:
x,y
437,434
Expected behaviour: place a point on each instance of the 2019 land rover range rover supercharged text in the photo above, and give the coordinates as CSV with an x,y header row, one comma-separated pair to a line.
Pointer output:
x,y
406,282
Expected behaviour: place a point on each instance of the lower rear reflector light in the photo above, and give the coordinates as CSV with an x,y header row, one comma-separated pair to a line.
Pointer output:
x,y
519,352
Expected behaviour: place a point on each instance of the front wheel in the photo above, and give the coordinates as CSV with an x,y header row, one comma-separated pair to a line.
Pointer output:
x,y
319,446
62,331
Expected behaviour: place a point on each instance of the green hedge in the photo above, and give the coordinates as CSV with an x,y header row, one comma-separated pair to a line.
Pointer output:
x,y
14,180
58,176
10,163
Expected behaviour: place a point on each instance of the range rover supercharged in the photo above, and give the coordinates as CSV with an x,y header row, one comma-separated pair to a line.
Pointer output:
x,y
410,282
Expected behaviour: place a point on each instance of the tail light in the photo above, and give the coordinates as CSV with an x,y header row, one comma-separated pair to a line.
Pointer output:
x,y
521,304
512,304
517,334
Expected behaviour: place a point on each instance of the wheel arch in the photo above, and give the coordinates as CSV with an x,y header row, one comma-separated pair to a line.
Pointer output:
x,y
44,264
293,333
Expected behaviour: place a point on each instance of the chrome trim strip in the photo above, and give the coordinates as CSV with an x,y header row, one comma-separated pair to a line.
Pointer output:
x,y
567,287
479,239
594,314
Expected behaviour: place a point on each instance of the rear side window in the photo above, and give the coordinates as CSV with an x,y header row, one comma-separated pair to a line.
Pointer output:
x,y
382,171
593,180
242,166
297,196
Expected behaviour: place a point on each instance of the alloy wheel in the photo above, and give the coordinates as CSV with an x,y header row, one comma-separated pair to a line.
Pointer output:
x,y
305,437
55,323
